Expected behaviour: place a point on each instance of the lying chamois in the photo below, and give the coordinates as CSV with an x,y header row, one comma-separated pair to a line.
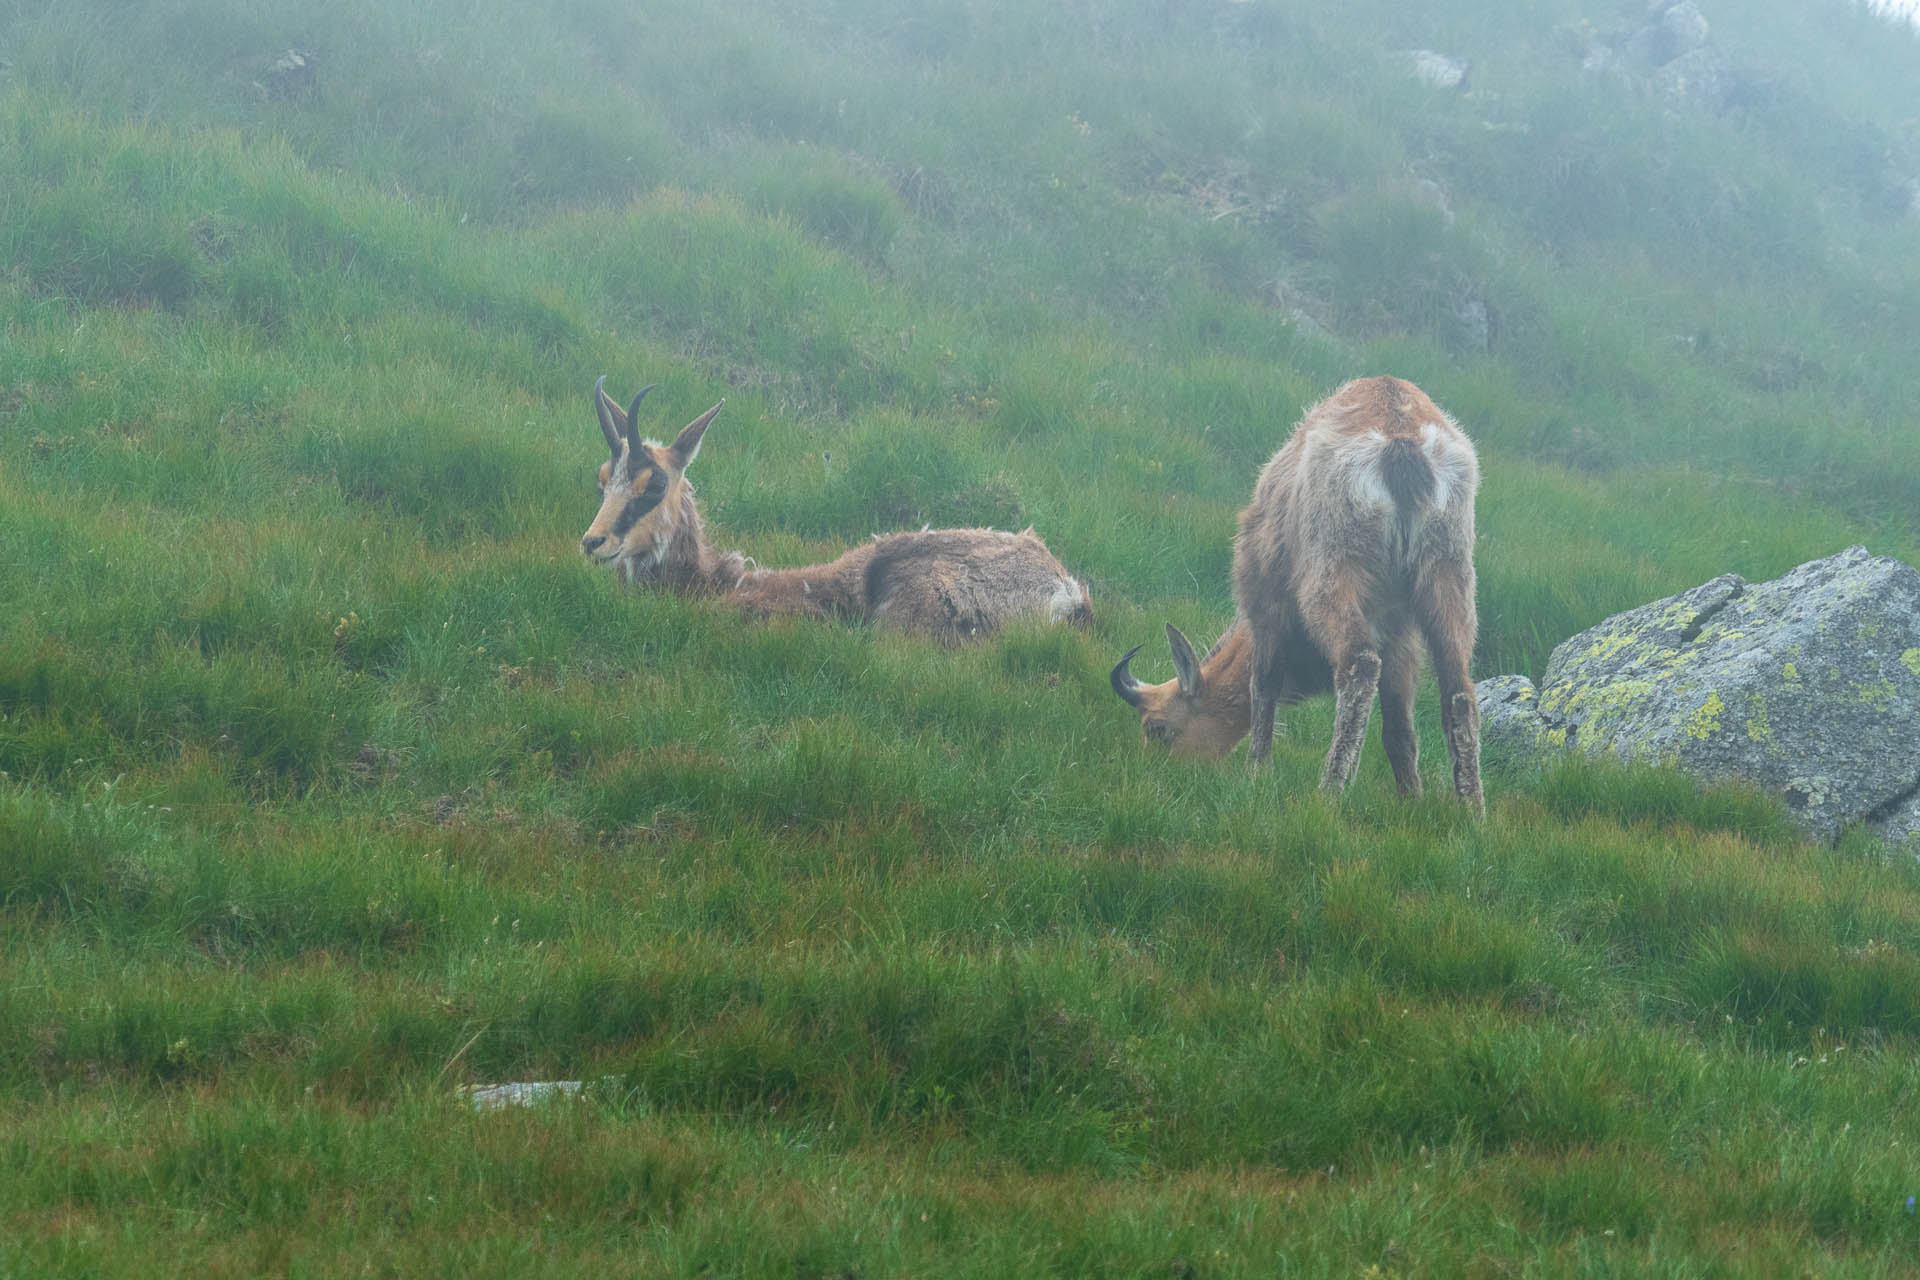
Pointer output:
x,y
1356,549
950,584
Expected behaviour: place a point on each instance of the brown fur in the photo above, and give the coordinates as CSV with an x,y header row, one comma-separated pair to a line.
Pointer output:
x,y
1354,554
1332,551
950,584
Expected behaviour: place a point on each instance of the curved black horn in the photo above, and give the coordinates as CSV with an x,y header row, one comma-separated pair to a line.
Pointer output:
x,y
1123,682
604,409
633,416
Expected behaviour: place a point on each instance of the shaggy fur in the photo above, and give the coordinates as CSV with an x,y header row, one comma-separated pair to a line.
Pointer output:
x,y
950,584
1359,541
1356,551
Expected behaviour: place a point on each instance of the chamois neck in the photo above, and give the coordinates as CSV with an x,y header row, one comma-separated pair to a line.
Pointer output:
x,y
1228,664
688,563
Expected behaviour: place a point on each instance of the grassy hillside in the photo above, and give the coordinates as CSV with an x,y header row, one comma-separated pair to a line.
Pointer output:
x,y
333,780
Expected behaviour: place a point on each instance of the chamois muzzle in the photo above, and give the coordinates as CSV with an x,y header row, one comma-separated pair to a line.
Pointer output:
x,y
1123,682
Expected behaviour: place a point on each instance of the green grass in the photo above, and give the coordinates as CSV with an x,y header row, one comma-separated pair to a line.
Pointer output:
x,y
332,780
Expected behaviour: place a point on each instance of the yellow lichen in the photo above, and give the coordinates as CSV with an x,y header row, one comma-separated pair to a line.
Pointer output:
x,y
1791,672
1879,694
1911,660
1759,728
1608,645
1679,614
1705,722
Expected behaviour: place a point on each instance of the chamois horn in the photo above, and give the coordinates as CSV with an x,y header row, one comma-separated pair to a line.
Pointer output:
x,y
633,418
617,427
1123,682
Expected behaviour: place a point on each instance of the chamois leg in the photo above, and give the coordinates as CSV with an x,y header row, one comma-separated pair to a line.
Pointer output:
x,y
1399,672
1340,629
1448,621
1265,674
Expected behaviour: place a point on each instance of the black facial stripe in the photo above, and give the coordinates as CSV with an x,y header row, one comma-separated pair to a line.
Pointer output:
x,y
638,506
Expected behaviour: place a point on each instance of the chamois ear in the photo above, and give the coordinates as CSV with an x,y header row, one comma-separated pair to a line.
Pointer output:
x,y
1123,680
1185,665
613,423
686,445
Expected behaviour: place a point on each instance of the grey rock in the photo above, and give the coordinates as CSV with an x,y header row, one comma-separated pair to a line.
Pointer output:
x,y
1438,70
1697,78
1510,724
1473,325
1903,825
1685,27
1673,31
1430,193
493,1097
290,76
529,1093
1808,686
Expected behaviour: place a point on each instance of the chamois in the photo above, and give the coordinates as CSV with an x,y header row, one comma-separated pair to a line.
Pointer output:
x,y
1202,711
1356,549
950,584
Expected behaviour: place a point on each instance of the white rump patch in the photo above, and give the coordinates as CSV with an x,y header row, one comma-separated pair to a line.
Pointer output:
x,y
1068,598
1434,445
1452,460
1369,489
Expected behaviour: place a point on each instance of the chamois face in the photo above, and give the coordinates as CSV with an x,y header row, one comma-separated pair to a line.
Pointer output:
x,y
1187,714
643,489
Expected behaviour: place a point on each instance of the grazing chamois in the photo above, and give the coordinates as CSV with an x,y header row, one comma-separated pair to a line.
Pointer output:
x,y
1202,711
1356,549
950,584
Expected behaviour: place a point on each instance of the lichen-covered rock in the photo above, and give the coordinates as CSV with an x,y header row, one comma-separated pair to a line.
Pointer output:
x,y
1902,828
1510,724
1808,685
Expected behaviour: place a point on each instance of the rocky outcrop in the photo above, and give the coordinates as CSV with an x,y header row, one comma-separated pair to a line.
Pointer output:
x,y
1808,685
1671,31
290,76
1671,50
